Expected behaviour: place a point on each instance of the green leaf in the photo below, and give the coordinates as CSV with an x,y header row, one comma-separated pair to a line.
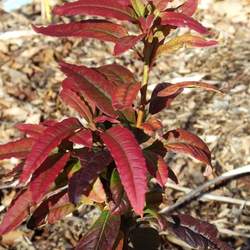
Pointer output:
x,y
139,7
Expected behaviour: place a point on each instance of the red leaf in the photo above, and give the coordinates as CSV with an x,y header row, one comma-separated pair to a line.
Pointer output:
x,y
83,137
104,118
197,233
173,89
114,9
152,126
181,20
103,233
189,7
125,95
45,176
32,130
82,181
130,164
92,84
17,212
161,4
49,140
18,149
98,29
126,43
182,141
158,103
117,74
146,23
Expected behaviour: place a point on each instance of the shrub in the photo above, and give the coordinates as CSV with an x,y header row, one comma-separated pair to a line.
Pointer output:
x,y
113,156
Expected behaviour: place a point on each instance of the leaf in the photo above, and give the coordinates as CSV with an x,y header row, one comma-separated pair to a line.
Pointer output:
x,y
139,7
49,140
114,9
161,4
17,212
126,43
98,29
146,23
103,233
189,7
182,141
186,40
125,95
18,149
97,193
157,167
104,118
81,182
130,164
75,102
32,130
83,137
45,176
173,89
158,103
197,233
181,20
152,126
117,74
92,84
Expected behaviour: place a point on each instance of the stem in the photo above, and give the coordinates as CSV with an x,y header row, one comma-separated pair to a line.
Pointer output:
x,y
143,95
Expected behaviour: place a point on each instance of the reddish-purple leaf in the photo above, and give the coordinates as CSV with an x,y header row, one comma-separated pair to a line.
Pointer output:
x,y
173,89
49,140
182,141
130,164
126,43
117,74
158,103
189,7
197,233
112,9
161,4
45,176
98,29
92,84
104,118
152,126
18,149
124,95
83,137
17,212
103,233
32,130
187,40
181,20
82,181
146,23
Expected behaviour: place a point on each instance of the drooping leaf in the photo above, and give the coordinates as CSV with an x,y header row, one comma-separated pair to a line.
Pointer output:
x,y
152,126
45,176
182,141
83,137
18,149
126,43
81,182
117,74
139,7
158,103
186,40
189,7
92,84
130,164
173,89
75,101
103,233
157,167
198,234
181,20
98,29
49,140
32,130
17,212
124,96
114,9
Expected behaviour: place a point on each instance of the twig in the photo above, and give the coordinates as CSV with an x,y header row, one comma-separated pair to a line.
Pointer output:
x,y
210,197
230,175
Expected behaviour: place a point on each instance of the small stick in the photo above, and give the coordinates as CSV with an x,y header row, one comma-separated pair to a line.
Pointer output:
x,y
230,175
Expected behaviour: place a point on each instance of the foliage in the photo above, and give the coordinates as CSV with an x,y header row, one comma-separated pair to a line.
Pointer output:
x,y
113,155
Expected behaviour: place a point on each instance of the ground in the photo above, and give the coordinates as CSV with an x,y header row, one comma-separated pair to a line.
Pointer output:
x,y
30,81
